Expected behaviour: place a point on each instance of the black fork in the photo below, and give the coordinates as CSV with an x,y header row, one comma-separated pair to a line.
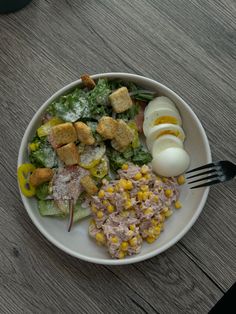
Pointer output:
x,y
216,172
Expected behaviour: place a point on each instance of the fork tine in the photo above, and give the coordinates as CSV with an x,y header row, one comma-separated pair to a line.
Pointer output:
x,y
201,173
202,167
205,178
205,184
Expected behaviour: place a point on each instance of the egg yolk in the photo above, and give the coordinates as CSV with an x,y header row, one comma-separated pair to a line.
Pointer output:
x,y
170,132
166,119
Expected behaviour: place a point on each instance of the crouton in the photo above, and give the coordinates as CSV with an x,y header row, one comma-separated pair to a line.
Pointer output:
x,y
107,127
40,175
123,137
84,133
88,81
89,185
120,100
68,154
62,134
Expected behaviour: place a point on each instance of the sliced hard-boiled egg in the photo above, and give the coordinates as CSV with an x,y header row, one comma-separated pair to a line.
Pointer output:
x,y
164,129
171,162
159,102
164,142
160,116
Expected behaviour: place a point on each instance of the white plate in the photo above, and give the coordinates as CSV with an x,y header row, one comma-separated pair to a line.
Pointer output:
x,y
77,243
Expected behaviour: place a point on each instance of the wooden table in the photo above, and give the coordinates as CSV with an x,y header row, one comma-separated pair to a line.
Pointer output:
x,y
188,45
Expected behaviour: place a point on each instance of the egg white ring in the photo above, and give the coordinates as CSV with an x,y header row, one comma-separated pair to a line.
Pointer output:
x,y
150,118
164,142
159,102
156,131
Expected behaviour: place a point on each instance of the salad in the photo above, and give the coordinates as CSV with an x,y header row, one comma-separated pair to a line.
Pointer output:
x,y
89,157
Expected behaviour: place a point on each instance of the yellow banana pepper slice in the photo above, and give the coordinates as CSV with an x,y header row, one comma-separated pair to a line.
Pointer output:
x,y
100,170
23,174
92,155
135,143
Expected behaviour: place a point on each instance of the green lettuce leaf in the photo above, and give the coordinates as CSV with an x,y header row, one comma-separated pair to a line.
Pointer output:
x,y
139,156
81,104
44,156
42,191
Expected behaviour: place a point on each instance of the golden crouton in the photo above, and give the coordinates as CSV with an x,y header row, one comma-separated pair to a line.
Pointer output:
x,y
124,136
40,175
88,81
62,134
120,100
68,154
88,183
84,133
107,127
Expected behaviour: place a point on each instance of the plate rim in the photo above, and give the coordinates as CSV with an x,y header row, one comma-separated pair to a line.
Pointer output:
x,y
135,258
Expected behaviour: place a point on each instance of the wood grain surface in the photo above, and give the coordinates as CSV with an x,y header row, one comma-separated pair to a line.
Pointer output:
x,y
188,45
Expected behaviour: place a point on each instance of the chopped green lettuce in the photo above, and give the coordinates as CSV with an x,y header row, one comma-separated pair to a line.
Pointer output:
x,y
129,114
138,156
44,155
82,104
141,156
49,208
42,191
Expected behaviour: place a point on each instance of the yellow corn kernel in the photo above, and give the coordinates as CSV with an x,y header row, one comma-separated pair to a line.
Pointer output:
x,y
158,179
101,193
99,214
157,230
121,255
92,222
178,205
150,194
110,189
156,198
168,214
140,195
125,167
151,232
168,193
110,208
161,218
154,222
117,188
94,208
150,239
105,202
147,176
128,204
164,179
100,237
148,211
144,188
144,169
124,246
164,210
133,242
132,227
122,183
130,233
145,196
114,239
128,185
181,180
138,176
